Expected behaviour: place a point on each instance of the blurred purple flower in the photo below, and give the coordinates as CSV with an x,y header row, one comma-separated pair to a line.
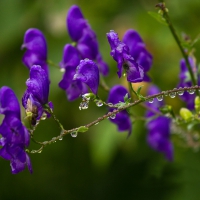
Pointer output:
x,y
138,51
36,95
185,81
81,32
125,61
122,119
36,53
73,88
14,135
159,128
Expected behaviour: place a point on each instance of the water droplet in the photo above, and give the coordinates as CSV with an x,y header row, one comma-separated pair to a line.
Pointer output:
x,y
191,91
165,93
96,123
99,103
110,104
33,151
112,116
45,143
160,98
44,116
151,100
172,94
180,93
74,134
40,151
53,139
83,105
61,138
62,70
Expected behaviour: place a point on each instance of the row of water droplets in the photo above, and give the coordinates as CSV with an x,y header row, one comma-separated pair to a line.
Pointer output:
x,y
172,94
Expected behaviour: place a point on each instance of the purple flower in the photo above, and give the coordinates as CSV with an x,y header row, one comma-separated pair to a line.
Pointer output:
x,y
138,51
85,38
88,73
122,119
159,129
120,53
14,135
185,81
73,88
36,95
36,53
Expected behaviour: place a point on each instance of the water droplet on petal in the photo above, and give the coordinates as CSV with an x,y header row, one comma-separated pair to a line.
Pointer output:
x,y
160,98
151,100
99,103
191,91
74,134
112,116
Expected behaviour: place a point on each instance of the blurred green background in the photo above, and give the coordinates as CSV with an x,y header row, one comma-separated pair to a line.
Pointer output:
x,y
101,163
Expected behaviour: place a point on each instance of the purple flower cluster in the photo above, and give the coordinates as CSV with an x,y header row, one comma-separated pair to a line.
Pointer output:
x,y
159,128
86,48
131,55
122,119
36,53
14,135
36,95
185,81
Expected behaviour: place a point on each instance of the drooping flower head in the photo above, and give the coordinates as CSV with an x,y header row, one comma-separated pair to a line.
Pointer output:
x,y
88,73
159,129
71,59
185,81
36,95
36,49
120,53
85,38
122,119
14,135
138,51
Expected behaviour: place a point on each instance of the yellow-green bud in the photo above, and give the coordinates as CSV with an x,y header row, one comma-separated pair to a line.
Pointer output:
x,y
186,114
197,104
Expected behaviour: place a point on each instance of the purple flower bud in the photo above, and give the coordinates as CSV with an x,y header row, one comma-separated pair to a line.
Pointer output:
x,y
159,128
14,135
36,53
122,119
88,73
120,53
36,95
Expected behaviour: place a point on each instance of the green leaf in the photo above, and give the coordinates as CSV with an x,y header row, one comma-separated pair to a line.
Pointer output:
x,y
158,17
82,129
126,99
139,89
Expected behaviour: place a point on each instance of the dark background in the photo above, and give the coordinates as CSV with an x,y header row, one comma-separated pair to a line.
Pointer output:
x,y
101,163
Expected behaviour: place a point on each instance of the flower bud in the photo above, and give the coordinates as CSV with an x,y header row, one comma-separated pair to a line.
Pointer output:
x,y
186,114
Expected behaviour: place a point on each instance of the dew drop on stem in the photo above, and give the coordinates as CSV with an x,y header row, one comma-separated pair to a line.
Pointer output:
x,y
74,134
151,100
160,98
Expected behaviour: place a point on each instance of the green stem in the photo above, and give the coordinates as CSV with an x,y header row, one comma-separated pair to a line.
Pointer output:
x,y
172,29
53,64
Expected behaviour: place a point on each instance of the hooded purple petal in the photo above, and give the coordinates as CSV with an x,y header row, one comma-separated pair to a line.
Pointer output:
x,y
36,53
70,57
9,102
137,49
76,23
88,73
120,53
159,129
122,119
